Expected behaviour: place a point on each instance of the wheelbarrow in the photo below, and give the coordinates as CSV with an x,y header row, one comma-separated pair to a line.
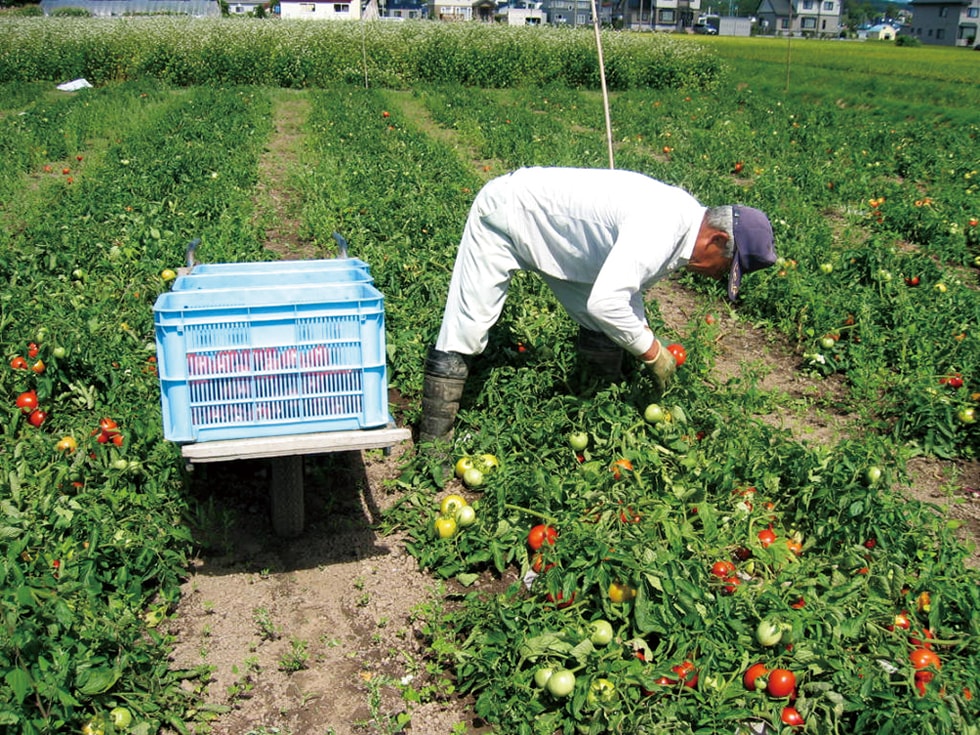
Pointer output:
x,y
277,361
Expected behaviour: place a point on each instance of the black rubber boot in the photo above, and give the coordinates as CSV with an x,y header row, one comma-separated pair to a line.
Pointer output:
x,y
445,378
599,356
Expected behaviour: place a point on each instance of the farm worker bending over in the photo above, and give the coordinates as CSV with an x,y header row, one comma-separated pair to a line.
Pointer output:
x,y
599,238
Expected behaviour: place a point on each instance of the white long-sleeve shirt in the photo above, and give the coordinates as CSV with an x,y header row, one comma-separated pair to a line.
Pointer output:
x,y
598,237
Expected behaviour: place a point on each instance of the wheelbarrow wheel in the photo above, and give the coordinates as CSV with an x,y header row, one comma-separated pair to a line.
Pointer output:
x,y
287,496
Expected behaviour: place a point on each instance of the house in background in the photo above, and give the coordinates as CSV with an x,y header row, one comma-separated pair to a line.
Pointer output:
x,y
810,18
657,15
520,13
319,10
945,22
450,10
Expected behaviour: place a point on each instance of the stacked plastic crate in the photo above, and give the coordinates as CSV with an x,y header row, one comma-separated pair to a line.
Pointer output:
x,y
249,350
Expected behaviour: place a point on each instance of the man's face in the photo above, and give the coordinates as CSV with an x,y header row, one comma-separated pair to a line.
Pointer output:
x,y
709,257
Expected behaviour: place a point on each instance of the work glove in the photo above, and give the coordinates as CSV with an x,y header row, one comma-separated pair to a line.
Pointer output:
x,y
662,367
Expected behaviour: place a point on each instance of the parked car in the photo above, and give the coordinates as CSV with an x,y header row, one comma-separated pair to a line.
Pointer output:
x,y
706,30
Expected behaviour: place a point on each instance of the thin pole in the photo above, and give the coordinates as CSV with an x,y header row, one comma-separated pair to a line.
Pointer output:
x,y
602,77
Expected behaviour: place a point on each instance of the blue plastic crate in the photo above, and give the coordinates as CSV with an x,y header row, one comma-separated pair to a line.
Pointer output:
x,y
271,267
285,359
255,278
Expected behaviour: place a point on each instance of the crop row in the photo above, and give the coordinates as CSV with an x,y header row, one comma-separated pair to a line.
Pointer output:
x,y
186,51
93,516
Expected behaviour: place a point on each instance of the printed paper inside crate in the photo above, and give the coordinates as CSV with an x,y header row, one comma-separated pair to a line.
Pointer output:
x,y
286,359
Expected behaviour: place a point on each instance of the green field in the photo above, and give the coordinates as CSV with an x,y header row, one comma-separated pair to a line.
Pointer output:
x,y
864,155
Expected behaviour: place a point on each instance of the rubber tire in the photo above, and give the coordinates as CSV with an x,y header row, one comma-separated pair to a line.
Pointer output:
x,y
287,496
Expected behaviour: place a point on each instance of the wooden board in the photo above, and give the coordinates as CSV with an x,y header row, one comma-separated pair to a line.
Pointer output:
x,y
294,444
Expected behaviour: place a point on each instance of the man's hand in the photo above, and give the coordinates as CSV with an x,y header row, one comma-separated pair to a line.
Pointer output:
x,y
662,367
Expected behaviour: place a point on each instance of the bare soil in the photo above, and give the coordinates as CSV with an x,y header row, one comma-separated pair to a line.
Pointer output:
x,y
316,635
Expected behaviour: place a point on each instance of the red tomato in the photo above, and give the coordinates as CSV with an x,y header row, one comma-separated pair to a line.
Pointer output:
x,y
540,534
755,677
688,674
18,363
37,417
723,568
923,658
27,401
559,600
781,683
679,353
767,536
791,717
32,350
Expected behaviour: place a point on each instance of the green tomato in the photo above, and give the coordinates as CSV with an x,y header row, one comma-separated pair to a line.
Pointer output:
x,y
121,718
465,516
601,632
451,505
579,440
541,676
827,343
873,474
654,413
472,477
445,527
463,464
561,683
967,415
768,633
601,691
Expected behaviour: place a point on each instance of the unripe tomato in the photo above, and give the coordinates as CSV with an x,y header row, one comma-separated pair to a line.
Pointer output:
x,y
781,683
67,444
445,527
542,675
451,504
619,592
601,632
654,413
121,718
487,463
463,464
873,474
601,691
473,477
168,274
768,633
561,683
579,440
465,516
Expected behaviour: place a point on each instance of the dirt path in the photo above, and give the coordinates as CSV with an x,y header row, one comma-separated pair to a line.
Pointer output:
x,y
316,635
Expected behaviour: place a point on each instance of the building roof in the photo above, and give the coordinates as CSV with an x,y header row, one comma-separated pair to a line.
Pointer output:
x,y
777,7
196,8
